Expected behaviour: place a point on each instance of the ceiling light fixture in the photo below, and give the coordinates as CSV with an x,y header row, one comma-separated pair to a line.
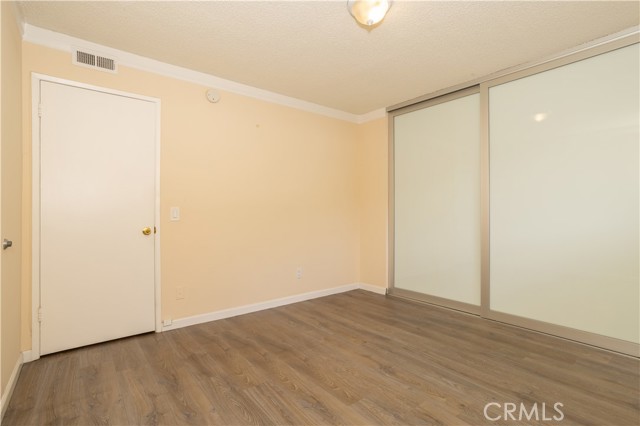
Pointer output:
x,y
368,12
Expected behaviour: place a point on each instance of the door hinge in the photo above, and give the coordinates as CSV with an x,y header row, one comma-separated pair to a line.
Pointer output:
x,y
40,314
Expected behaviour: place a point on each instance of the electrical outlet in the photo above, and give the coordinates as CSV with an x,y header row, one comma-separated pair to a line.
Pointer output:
x,y
167,322
179,292
299,272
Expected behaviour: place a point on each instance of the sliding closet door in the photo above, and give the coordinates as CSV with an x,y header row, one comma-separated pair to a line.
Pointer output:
x,y
436,204
564,195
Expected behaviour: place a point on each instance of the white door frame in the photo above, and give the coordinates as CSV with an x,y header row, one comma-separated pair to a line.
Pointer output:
x,y
35,199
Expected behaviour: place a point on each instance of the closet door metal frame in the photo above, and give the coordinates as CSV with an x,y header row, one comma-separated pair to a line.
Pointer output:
x,y
409,294
484,310
590,338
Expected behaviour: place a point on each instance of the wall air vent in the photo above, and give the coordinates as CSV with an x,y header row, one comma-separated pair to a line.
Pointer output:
x,y
94,60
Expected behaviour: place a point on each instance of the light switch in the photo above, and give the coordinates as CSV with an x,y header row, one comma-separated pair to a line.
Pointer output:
x,y
174,214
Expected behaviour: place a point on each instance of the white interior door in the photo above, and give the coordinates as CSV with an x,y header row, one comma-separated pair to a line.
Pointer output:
x,y
97,194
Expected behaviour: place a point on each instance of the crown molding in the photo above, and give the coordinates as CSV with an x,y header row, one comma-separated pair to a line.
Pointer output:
x,y
370,116
66,43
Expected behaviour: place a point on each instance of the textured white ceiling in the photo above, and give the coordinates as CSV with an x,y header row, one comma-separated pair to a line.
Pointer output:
x,y
315,51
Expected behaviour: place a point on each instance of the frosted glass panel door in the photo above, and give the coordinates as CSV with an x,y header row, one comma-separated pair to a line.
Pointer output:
x,y
564,186
437,199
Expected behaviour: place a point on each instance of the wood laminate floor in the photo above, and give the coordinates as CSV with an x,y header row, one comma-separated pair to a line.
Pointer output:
x,y
355,358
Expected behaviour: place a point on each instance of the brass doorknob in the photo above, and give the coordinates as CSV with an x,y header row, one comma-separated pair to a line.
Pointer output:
x,y
146,231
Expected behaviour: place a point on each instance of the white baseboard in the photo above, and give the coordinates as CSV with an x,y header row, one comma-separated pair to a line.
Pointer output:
x,y
246,309
373,288
27,356
6,395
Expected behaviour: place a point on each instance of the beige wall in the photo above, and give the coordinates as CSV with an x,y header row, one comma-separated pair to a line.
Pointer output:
x,y
262,189
11,192
373,162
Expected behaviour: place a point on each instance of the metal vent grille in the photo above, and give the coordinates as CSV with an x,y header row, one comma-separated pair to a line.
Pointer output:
x,y
94,60
106,63
85,58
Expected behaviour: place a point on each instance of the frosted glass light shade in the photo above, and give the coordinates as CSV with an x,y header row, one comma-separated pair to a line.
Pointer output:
x,y
368,12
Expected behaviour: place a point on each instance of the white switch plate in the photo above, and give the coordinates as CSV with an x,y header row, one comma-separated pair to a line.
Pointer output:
x,y
174,214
